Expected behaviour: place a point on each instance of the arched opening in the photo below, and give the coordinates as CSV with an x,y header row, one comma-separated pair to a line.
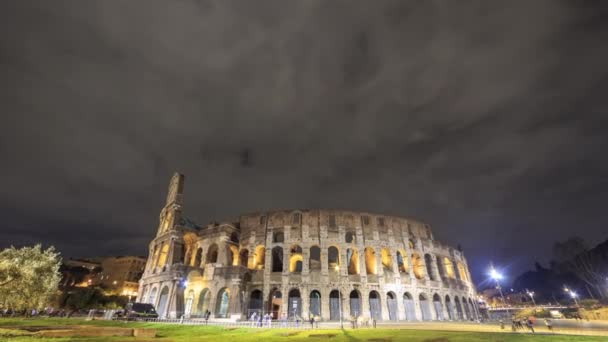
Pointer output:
x,y
295,259
333,259
203,302
162,302
370,260
411,244
449,307
188,304
315,303
418,266
275,302
258,258
222,303
462,272
448,266
387,260
402,262
409,306
233,255
335,307
428,260
234,238
277,259
198,258
439,263
164,254
458,308
152,296
375,309
438,307
314,261
256,302
353,261
244,257
294,305
212,253
349,237
467,310
425,307
391,304
278,237
473,309
355,303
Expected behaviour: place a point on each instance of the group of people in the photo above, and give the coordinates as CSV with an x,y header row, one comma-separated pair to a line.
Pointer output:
x,y
521,324
259,320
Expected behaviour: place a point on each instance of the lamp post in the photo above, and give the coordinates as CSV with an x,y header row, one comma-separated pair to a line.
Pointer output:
x,y
494,274
572,294
531,294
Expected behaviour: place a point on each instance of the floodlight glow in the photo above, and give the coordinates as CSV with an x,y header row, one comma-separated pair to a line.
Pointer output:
x,y
495,274
573,294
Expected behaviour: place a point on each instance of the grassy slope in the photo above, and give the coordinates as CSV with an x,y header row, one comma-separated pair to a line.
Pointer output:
x,y
177,333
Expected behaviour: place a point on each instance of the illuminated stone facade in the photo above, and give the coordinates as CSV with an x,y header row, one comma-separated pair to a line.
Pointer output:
x,y
297,263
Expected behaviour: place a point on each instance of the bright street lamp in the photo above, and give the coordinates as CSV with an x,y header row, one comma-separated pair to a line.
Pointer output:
x,y
494,274
531,294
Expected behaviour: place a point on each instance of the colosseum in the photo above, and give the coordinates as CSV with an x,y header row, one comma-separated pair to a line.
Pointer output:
x,y
298,263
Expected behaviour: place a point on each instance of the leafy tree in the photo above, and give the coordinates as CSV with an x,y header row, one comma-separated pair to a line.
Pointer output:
x,y
28,276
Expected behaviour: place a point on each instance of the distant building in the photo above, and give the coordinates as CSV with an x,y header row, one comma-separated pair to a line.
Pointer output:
x,y
120,275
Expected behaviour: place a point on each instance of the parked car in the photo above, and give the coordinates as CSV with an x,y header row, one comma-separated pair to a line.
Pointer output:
x,y
556,314
137,311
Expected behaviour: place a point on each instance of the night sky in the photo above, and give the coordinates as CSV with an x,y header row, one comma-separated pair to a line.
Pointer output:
x,y
486,119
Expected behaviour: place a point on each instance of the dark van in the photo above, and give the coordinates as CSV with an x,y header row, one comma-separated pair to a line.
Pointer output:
x,y
138,310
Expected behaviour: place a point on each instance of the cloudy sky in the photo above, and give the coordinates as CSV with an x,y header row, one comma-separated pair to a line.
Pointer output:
x,y
485,119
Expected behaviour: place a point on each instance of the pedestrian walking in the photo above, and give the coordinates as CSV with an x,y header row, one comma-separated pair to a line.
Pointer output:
x,y
549,324
312,322
374,322
530,325
207,315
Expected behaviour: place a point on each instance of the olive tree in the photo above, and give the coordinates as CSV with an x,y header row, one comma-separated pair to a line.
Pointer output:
x,y
29,276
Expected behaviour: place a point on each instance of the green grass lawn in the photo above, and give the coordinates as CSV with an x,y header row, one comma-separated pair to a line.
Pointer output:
x,y
179,333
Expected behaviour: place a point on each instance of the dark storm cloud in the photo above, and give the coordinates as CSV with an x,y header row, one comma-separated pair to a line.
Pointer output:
x,y
483,119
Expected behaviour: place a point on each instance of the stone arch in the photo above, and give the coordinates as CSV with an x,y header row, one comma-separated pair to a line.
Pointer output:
x,y
370,260
375,307
425,307
315,303
198,257
448,266
233,255
462,272
428,261
314,259
189,301
163,300
355,303
222,303
459,314
259,256
152,296
418,266
352,256
335,305
333,258
164,254
204,299
411,244
256,302
294,304
473,309
449,307
438,307
212,254
402,264
295,259
275,302
391,305
277,259
409,306
387,259
467,309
